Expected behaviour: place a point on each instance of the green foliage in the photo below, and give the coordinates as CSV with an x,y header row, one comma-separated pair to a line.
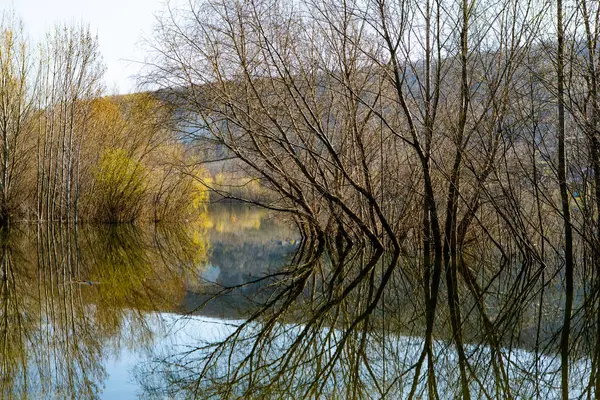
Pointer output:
x,y
120,187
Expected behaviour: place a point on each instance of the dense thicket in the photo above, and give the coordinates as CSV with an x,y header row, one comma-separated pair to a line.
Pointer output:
x,y
449,146
69,154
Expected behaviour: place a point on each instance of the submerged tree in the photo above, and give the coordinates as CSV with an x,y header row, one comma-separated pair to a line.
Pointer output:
x,y
70,73
416,144
58,135
17,80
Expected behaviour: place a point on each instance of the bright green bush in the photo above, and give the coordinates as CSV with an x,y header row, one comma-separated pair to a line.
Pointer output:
x,y
120,187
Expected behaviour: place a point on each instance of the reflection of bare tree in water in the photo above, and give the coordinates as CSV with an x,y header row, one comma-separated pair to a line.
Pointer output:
x,y
49,344
318,342
440,158
71,296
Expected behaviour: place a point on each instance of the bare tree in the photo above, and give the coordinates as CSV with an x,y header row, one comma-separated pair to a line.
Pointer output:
x,y
17,80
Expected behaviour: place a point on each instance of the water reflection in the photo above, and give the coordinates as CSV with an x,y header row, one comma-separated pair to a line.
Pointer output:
x,y
310,340
73,300
211,310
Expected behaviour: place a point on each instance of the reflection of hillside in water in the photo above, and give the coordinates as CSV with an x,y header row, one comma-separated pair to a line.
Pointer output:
x,y
299,353
245,244
75,304
73,299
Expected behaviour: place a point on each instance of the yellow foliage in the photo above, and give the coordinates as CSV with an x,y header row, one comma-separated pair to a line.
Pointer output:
x,y
139,160
120,181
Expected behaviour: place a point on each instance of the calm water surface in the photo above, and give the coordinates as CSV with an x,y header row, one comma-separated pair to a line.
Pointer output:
x,y
81,311
122,312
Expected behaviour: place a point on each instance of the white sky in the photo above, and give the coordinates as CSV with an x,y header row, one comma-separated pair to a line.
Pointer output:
x,y
120,25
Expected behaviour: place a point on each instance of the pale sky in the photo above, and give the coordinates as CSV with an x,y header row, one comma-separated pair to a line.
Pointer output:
x,y
119,24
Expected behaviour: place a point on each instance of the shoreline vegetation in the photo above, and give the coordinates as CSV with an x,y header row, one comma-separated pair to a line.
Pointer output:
x,y
443,151
70,154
